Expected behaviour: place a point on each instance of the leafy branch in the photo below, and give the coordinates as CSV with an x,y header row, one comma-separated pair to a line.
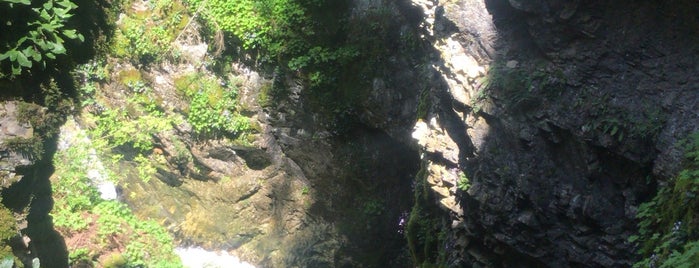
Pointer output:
x,y
45,38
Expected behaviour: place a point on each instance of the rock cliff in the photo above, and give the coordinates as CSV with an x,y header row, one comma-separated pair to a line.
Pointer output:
x,y
563,117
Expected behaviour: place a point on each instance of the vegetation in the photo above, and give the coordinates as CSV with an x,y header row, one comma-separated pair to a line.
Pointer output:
x,y
304,39
38,41
463,183
110,225
213,108
667,236
307,38
284,31
7,231
424,228
423,104
145,34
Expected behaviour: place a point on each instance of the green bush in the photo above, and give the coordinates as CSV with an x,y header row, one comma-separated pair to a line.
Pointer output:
x,y
667,236
213,108
71,179
146,36
258,24
8,229
148,243
295,33
119,129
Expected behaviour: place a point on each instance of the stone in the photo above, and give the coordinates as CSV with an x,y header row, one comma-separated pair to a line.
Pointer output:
x,y
467,65
512,64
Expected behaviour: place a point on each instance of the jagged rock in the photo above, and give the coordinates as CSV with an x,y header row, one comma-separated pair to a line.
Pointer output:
x,y
10,158
533,133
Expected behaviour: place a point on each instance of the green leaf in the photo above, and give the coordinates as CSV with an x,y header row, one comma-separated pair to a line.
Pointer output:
x,y
16,70
633,238
70,34
67,4
23,61
45,15
32,54
4,56
62,12
50,56
23,2
58,49
42,44
13,55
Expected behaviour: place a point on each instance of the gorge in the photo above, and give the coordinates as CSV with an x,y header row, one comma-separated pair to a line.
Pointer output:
x,y
423,133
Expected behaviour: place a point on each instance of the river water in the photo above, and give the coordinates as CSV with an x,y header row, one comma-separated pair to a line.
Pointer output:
x,y
194,257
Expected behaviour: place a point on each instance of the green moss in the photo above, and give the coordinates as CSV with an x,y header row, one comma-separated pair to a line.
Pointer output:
x,y
30,113
129,77
185,85
49,113
32,148
146,35
8,228
264,98
424,228
423,104
114,260
213,109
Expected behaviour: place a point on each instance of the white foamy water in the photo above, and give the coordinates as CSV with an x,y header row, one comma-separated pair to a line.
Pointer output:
x,y
195,257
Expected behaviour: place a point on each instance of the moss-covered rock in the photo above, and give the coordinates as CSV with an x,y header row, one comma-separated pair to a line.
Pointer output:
x,y
424,228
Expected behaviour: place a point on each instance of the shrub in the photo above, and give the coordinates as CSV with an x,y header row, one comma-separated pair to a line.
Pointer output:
x,y
666,236
213,109
8,229
40,39
146,36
